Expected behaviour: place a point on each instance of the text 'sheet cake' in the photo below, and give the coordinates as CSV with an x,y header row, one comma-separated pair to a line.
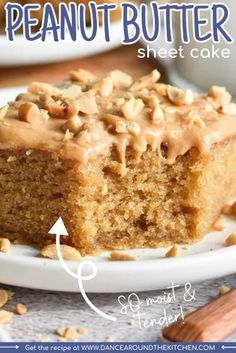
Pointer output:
x,y
125,163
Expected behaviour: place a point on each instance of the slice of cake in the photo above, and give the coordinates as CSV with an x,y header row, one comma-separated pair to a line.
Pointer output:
x,y
126,163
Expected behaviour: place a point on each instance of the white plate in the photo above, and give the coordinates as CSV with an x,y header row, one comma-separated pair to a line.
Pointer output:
x,y
205,260
22,52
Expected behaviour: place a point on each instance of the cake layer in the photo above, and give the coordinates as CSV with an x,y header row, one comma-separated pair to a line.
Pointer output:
x,y
126,163
154,204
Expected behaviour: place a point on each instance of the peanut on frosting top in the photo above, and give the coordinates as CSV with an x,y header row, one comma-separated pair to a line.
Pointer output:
x,y
86,115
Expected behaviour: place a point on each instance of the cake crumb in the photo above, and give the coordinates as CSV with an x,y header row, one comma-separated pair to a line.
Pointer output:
x,y
104,189
28,152
83,330
218,225
5,316
231,240
11,159
223,290
5,245
68,333
121,256
4,297
68,252
21,309
175,251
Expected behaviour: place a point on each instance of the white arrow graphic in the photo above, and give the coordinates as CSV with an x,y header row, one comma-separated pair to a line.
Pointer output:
x,y
5,347
59,229
228,347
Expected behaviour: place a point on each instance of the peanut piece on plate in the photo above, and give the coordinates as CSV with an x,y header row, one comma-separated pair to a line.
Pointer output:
x,y
68,252
4,297
231,240
121,256
175,251
5,245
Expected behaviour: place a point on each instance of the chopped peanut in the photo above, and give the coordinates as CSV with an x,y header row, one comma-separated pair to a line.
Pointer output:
x,y
223,290
84,137
231,240
157,113
106,87
71,92
132,108
30,113
120,256
5,245
228,109
175,251
160,88
146,81
193,118
180,96
87,103
4,297
218,225
73,124
120,79
42,88
82,75
5,316
220,95
134,128
21,309
83,330
68,252
69,333
229,210
121,127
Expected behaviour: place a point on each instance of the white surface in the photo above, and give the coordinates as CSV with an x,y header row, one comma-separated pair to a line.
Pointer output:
x,y
206,260
22,52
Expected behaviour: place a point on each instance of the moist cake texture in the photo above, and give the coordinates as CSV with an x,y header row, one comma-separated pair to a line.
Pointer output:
x,y
126,163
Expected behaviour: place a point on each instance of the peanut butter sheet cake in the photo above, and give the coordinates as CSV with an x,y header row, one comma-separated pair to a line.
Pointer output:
x,y
126,163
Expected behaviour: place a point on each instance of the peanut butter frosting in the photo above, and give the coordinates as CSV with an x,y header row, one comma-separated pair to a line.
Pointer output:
x,y
86,116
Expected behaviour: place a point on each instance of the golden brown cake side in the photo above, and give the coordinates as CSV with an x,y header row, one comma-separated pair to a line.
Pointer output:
x,y
125,163
153,205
